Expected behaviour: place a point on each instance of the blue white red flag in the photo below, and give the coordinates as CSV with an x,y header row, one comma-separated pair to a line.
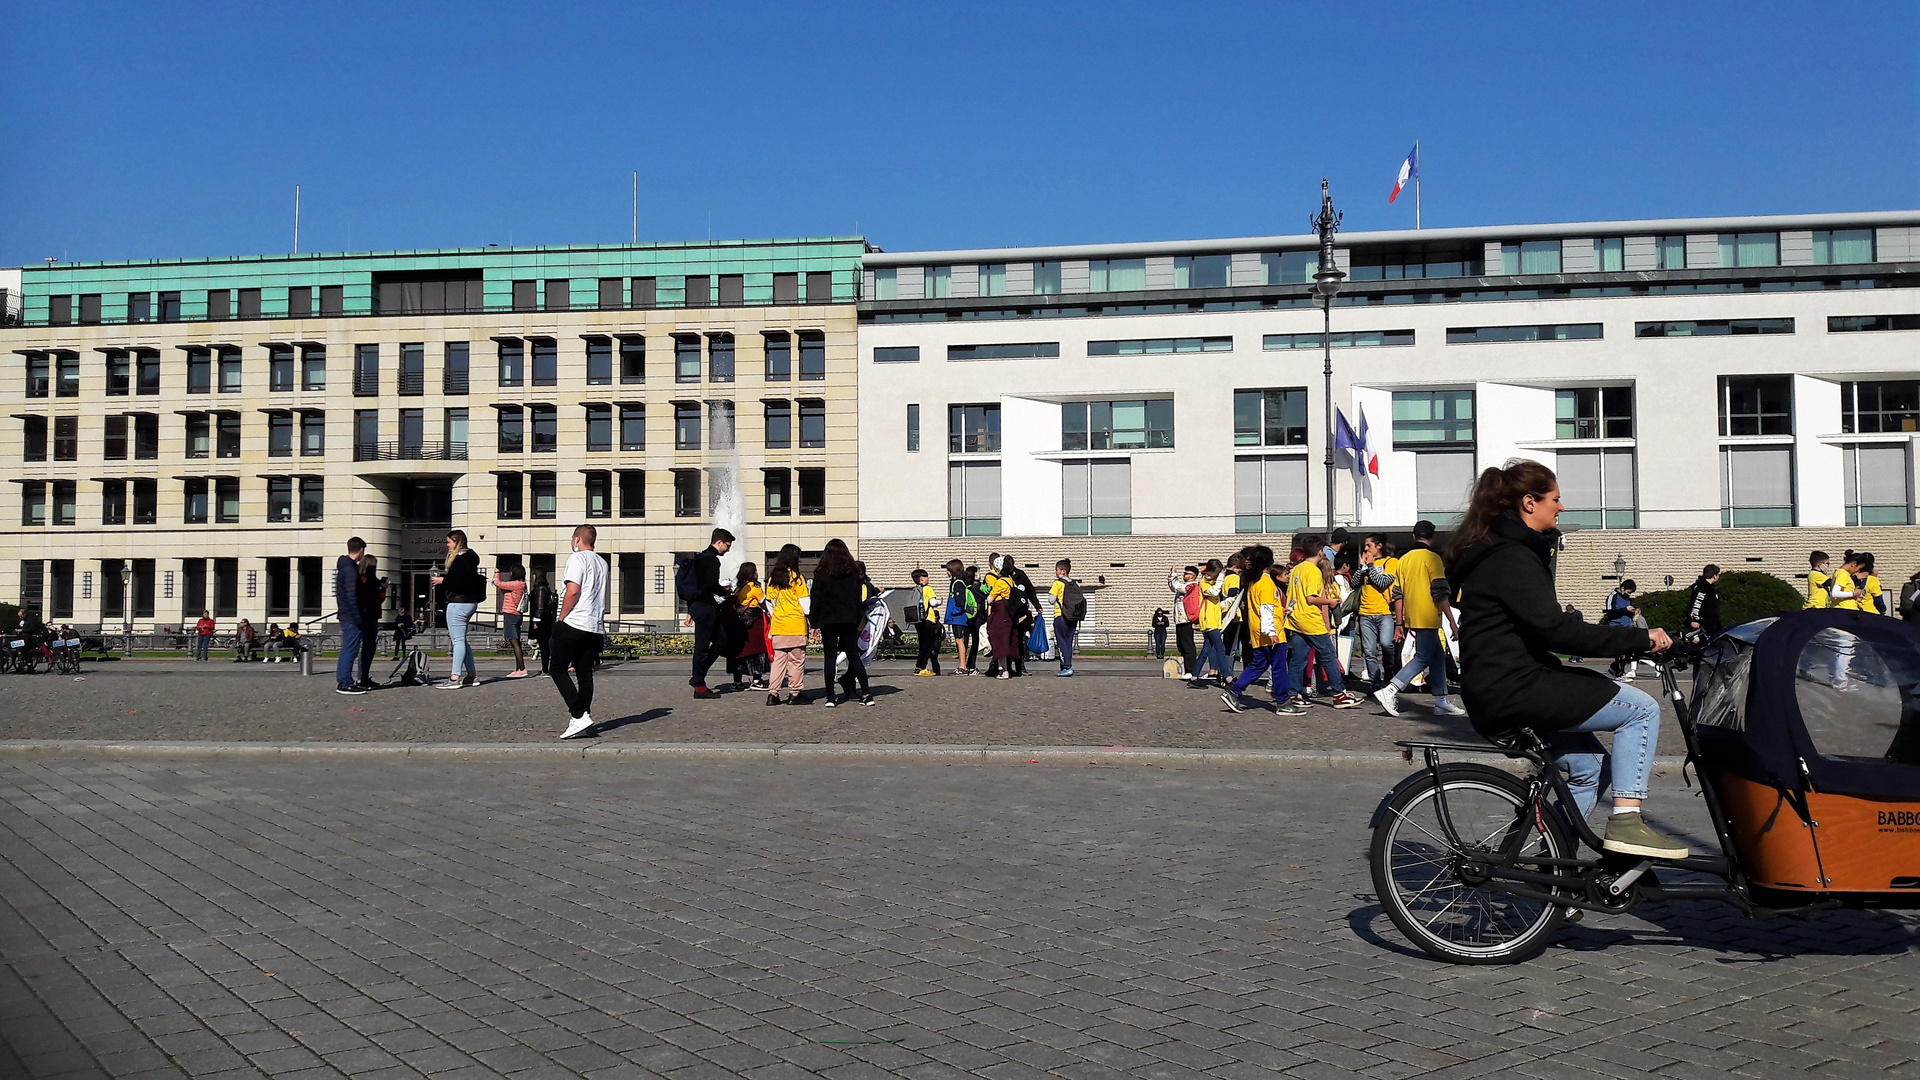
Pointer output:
x,y
1409,170
1352,450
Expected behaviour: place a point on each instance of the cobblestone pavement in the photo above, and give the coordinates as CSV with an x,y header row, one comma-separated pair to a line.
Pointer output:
x,y
1109,703
219,917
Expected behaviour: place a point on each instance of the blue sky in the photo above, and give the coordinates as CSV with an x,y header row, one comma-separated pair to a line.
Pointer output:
x,y
159,130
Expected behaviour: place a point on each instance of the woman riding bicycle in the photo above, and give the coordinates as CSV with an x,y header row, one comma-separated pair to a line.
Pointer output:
x,y
1511,626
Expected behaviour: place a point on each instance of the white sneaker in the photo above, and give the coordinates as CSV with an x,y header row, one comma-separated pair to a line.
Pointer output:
x,y
1448,708
450,684
1389,699
580,726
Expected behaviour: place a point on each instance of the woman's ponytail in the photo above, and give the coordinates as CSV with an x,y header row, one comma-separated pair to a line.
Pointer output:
x,y
1495,492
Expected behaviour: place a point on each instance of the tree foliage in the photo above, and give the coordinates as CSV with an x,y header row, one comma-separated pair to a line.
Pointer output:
x,y
1745,595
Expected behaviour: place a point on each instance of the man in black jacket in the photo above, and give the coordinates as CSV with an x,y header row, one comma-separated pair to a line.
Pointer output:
x,y
346,602
705,608
1703,602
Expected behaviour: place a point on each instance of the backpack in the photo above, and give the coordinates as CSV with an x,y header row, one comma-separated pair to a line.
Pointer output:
x,y
1910,600
1073,602
686,579
1190,602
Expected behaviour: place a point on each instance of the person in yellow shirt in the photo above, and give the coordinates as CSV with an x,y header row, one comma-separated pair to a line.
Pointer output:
x,y
1424,599
1069,607
1819,581
1875,597
1378,569
928,629
788,603
1310,596
749,662
1264,606
1844,586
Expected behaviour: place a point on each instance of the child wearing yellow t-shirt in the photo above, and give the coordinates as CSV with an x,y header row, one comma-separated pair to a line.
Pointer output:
x,y
1263,605
1310,596
787,603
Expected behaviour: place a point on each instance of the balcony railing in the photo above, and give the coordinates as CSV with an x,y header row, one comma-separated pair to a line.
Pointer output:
x,y
435,450
413,383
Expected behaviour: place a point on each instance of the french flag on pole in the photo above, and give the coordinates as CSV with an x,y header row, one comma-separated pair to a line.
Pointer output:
x,y
1409,170
1353,449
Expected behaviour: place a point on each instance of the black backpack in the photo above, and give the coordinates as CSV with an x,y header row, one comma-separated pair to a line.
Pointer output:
x,y
1073,602
1910,600
686,579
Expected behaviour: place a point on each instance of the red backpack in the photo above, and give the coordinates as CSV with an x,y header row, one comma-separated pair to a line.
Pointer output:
x,y
1190,602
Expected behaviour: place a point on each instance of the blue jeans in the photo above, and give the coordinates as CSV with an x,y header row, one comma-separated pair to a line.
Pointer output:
x,y
1634,718
1063,642
200,643
1213,653
1427,657
343,672
1260,660
1376,637
1322,646
457,617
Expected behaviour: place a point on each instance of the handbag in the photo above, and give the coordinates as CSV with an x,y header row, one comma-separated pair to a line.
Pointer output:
x,y
1037,641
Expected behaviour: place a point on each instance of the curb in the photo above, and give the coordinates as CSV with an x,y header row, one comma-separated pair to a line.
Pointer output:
x,y
858,753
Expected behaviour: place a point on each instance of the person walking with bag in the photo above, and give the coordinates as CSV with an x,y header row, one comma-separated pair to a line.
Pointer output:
x,y
465,588
578,636
927,660
512,584
346,608
1070,607
1184,584
961,613
839,607
698,583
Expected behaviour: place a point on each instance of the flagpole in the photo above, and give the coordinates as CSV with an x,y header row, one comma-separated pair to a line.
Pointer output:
x,y
1416,185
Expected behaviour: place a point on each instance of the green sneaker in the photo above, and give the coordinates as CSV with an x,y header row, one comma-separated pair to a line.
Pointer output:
x,y
1629,834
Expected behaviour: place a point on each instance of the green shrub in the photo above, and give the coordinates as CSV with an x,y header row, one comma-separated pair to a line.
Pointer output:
x,y
1745,595
9,618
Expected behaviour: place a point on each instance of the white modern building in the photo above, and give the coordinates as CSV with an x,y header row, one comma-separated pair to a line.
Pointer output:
x,y
1738,389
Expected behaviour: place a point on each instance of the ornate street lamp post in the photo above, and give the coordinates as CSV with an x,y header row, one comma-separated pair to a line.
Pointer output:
x,y
1326,284
126,604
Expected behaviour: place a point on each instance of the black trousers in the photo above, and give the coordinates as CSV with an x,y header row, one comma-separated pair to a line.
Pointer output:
x,y
1183,640
706,618
834,640
930,642
581,650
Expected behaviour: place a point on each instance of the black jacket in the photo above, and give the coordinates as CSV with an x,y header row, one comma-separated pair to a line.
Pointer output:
x,y
346,591
462,580
1703,606
1511,625
706,574
837,601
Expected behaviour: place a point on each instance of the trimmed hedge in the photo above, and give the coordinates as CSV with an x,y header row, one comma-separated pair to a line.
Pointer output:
x,y
1745,595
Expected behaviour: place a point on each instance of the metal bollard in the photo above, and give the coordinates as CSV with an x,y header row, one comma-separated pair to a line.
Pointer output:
x,y
306,661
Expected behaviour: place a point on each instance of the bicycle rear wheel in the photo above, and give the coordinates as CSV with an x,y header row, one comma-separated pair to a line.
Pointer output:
x,y
1425,883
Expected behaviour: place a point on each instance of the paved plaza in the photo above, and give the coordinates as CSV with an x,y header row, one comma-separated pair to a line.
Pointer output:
x,y
378,917
1109,703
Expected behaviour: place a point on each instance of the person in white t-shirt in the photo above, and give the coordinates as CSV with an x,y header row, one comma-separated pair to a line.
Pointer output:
x,y
576,636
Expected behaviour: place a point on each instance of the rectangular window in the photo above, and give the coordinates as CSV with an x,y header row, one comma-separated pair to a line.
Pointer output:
x,y
366,435
1756,405
819,286
1712,328
146,437
546,361
413,433
1878,480
453,430
1833,247
543,492
1879,408
936,282
199,371
698,289
114,445
280,369
686,493
558,294
413,369
1031,350
613,293
89,309
512,429
813,424
139,307
973,429
686,358
720,358
779,356
313,433
1117,275
146,502
913,428
599,361
226,500
1269,494
633,494
227,364
1046,279
33,503
1470,335
1096,498
633,427
813,356
1298,267
226,588
513,362
1756,486
313,367
66,375
886,284
34,438
309,569
332,299
1389,262
279,588
1530,257
195,501
1270,417
66,502
973,498
1593,412
1423,418
1152,346
633,360
1117,425
1203,272
279,499
786,288
897,354
1597,487
779,489
645,292
39,380
686,426
733,290
1670,252
60,600
66,438
300,301
507,496
249,303
226,442
366,371
1609,254
543,422
193,587
146,371
1853,324
633,583
120,374
993,279
113,502
32,584
1360,339
599,429
813,491
779,425
199,432
1750,249
1442,480
454,368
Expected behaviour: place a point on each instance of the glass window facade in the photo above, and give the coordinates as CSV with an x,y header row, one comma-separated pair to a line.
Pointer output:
x,y
1117,425
1270,417
1593,412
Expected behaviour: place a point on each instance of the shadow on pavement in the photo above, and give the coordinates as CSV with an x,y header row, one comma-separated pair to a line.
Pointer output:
x,y
636,718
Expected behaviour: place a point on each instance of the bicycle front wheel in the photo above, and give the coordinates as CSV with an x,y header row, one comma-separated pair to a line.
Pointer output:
x,y
1427,884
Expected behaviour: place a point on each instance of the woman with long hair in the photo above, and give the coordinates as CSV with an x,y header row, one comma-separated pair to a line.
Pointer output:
x,y
1002,619
1512,625
838,609
465,588
788,604
749,662
1264,599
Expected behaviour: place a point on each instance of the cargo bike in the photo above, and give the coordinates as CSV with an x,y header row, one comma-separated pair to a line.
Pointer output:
x,y
1804,731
